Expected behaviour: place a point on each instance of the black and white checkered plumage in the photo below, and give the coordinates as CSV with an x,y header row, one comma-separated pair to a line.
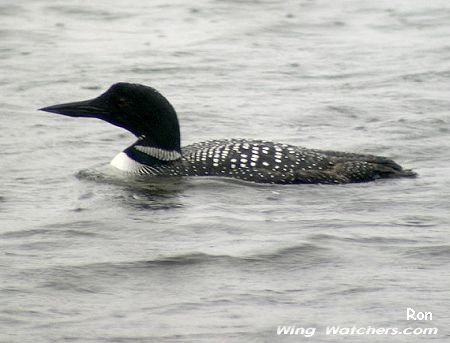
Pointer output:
x,y
262,162
146,113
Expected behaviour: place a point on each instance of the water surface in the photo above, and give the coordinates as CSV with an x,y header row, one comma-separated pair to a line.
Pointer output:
x,y
89,255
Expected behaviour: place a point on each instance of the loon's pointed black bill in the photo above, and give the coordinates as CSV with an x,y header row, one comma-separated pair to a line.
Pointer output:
x,y
86,108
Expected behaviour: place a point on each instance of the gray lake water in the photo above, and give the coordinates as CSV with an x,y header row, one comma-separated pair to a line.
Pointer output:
x,y
90,255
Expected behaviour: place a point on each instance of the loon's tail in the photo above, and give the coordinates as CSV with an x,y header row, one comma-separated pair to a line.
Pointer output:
x,y
372,169
407,173
351,167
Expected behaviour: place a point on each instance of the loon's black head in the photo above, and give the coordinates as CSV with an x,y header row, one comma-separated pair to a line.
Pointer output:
x,y
139,109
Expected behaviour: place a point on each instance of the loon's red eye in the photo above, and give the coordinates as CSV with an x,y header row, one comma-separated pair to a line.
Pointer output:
x,y
121,102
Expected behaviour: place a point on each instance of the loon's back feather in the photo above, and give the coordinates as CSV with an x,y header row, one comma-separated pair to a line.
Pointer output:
x,y
148,115
270,162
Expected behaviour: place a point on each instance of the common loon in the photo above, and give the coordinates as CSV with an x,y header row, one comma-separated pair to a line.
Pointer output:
x,y
143,111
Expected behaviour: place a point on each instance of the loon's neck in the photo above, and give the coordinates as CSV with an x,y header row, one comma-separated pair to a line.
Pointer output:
x,y
160,131
156,126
